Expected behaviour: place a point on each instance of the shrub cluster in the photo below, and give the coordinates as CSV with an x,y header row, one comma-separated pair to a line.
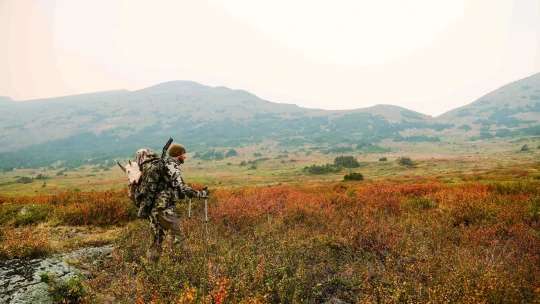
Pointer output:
x,y
405,161
19,214
68,291
339,163
323,169
346,162
231,153
353,176
23,243
402,243
343,243
213,154
210,155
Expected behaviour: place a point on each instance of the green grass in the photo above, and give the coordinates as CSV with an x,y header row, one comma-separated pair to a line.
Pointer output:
x,y
449,161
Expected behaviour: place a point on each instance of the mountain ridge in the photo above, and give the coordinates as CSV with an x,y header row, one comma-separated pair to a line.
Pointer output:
x,y
530,83
206,117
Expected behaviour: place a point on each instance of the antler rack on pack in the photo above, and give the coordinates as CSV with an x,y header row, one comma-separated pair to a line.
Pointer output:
x,y
149,176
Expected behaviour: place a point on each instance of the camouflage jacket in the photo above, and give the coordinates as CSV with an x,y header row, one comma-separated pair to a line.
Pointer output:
x,y
161,182
176,180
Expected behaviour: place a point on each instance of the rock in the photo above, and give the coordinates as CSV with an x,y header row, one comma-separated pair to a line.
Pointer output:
x,y
20,280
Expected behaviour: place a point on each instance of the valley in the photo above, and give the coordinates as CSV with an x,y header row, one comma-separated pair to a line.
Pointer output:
x,y
381,204
268,164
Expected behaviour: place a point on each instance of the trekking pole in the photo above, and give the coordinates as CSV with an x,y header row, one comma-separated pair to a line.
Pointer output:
x,y
189,210
206,216
189,216
206,210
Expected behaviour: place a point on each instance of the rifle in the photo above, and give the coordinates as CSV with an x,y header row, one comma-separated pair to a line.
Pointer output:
x,y
166,147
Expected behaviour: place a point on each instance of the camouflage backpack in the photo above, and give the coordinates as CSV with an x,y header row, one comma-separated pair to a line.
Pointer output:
x,y
154,176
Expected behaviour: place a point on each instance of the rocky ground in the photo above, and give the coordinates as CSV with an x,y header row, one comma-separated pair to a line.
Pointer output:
x,y
20,280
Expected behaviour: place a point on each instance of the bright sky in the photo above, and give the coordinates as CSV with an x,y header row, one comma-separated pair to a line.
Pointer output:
x,y
430,56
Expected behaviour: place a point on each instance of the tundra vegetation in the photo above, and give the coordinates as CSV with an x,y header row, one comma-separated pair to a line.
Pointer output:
x,y
353,176
457,227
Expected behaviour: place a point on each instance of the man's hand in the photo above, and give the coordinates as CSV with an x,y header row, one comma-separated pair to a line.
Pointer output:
x,y
204,193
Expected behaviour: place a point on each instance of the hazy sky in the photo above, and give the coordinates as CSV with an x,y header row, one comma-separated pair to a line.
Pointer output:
x,y
430,56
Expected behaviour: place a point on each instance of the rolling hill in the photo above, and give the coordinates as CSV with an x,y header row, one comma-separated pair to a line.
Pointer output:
x,y
99,126
511,106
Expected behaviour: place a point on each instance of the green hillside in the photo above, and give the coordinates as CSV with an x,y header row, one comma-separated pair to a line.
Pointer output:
x,y
511,110
95,127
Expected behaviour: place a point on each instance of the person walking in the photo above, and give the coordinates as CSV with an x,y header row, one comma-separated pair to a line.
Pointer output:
x,y
162,185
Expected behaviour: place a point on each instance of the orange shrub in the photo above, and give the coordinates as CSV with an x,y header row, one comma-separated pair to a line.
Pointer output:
x,y
23,243
93,208
101,208
421,243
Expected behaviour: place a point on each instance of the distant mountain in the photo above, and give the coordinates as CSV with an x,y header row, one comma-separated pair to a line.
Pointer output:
x,y
160,107
396,114
126,113
99,126
512,106
5,100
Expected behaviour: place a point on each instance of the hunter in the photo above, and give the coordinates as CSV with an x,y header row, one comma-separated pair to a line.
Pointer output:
x,y
162,185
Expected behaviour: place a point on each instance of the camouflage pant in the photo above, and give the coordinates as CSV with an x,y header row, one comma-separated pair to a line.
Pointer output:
x,y
163,222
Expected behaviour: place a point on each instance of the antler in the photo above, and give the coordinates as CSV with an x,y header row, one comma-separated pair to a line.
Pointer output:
x,y
122,167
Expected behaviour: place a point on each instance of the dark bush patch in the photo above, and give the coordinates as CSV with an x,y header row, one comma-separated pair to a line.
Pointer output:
x,y
353,176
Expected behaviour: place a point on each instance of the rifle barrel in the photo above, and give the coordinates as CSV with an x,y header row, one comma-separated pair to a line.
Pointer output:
x,y
166,147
